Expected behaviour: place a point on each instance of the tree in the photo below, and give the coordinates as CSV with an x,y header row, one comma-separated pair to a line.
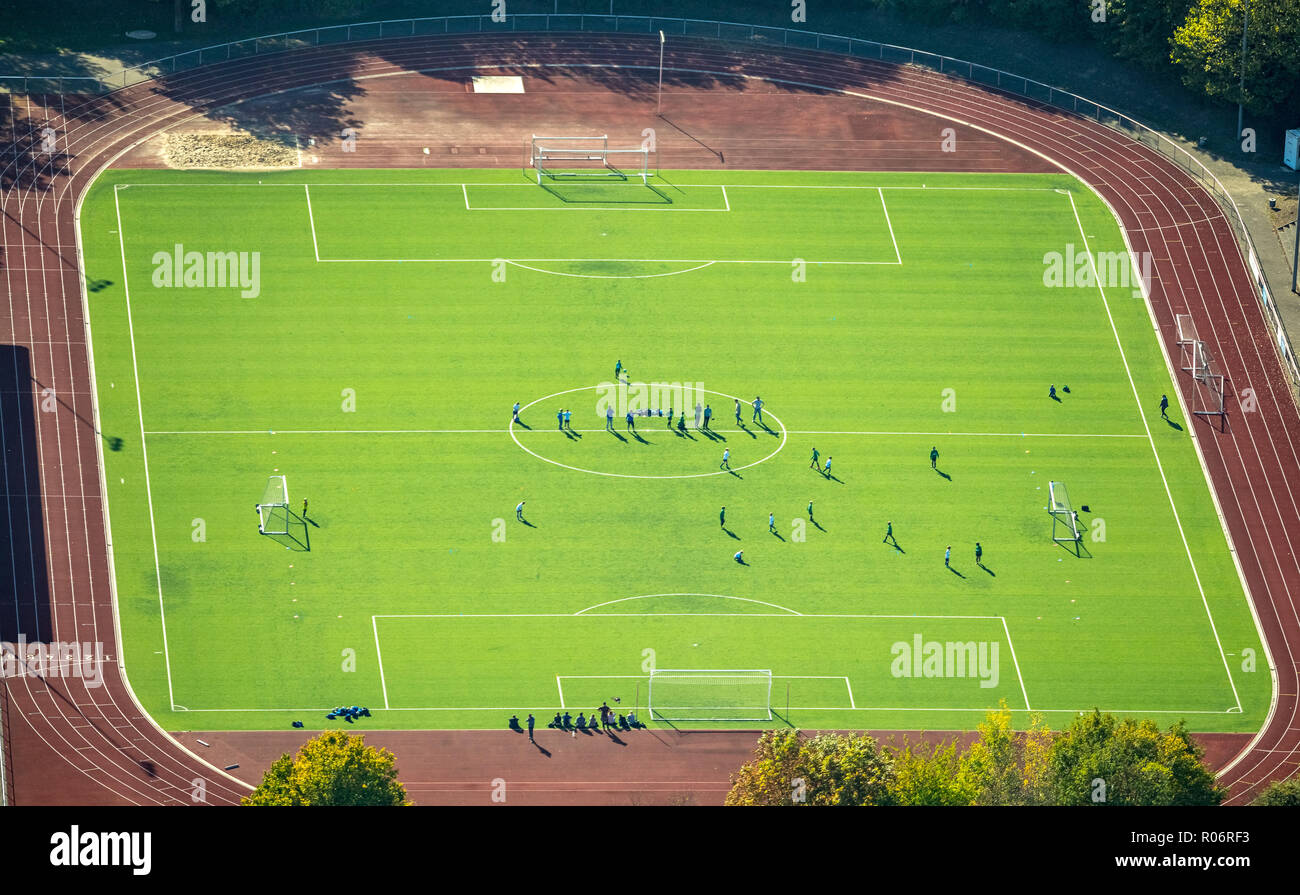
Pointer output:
x,y
926,775
1281,793
1207,46
1141,30
829,769
1006,768
1101,760
334,768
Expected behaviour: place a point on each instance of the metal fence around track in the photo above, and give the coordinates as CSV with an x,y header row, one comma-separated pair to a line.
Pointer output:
x,y
754,35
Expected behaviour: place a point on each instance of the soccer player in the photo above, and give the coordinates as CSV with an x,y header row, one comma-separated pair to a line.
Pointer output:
x,y
698,411
1164,406
814,459
618,368
889,534
516,412
740,557
828,466
630,424
559,419
708,415
304,508
810,515
670,417
1051,392
681,422
609,418
771,522
568,415
934,458
738,421
722,518
979,555
531,722
519,510
947,555
758,410
726,456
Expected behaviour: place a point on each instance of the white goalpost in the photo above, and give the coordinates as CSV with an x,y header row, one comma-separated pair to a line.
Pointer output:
x,y
576,157
710,695
273,509
1063,515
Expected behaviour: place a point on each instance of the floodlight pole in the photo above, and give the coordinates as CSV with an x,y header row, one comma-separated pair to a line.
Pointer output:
x,y
1295,260
1245,24
659,103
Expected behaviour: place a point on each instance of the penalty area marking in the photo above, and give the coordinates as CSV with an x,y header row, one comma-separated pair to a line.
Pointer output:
x,y
790,613
624,475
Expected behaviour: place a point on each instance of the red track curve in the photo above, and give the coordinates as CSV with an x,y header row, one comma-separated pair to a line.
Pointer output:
x,y
120,756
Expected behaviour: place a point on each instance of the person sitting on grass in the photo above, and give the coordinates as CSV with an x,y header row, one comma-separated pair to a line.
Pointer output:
x,y
557,722
514,723
631,719
582,722
568,721
622,723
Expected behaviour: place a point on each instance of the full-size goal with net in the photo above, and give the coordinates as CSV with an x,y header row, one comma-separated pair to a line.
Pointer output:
x,y
583,157
273,509
710,695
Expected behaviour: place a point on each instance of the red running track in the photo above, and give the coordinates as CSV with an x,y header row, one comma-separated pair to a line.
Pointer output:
x,y
111,752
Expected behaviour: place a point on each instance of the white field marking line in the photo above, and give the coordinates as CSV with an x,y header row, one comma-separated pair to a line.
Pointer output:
x,y
725,200
723,671
666,614
829,708
627,276
717,596
144,454
852,704
1155,453
557,432
622,475
746,186
885,209
702,261
1016,662
560,687
465,192
311,219
374,623
597,208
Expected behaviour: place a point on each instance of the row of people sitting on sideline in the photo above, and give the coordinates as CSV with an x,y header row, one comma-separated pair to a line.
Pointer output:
x,y
609,719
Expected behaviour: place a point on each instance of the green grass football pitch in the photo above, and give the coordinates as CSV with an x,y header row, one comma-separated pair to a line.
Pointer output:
x,y
398,315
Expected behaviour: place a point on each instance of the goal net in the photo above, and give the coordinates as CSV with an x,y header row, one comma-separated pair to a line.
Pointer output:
x,y
273,509
1064,520
711,695
581,157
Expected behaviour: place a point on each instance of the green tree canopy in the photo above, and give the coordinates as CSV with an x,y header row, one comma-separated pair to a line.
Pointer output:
x,y
1100,759
1006,768
928,775
1281,794
334,768
1207,47
829,769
